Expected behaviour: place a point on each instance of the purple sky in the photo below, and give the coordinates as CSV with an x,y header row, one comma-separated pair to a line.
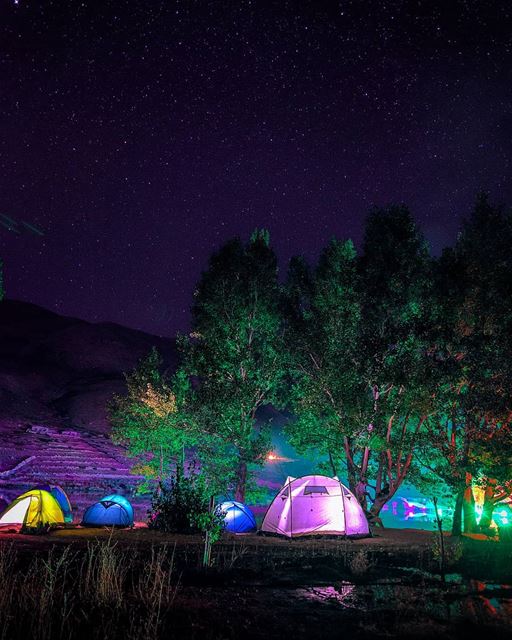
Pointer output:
x,y
138,136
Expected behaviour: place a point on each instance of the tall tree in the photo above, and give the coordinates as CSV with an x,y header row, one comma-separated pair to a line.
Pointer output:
x,y
322,313
357,337
235,349
474,294
395,276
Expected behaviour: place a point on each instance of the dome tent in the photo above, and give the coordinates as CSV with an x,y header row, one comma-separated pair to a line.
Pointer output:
x,y
106,513
315,505
238,518
61,496
34,509
119,499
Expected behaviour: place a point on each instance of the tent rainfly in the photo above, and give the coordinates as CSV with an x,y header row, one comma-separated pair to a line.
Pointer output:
x,y
119,499
238,518
61,496
107,514
33,509
315,505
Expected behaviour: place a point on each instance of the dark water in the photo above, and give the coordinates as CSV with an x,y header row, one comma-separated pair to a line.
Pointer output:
x,y
421,602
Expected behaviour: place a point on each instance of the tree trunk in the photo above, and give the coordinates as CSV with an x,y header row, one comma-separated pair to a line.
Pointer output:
x,y
488,508
457,513
351,468
377,505
380,501
333,466
241,481
468,508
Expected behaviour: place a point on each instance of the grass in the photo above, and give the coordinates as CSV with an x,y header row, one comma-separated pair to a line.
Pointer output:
x,y
104,591
137,584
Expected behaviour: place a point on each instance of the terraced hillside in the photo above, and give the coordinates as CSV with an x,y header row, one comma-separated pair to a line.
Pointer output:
x,y
87,464
57,375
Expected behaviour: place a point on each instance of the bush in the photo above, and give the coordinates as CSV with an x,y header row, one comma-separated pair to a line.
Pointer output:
x,y
177,505
360,563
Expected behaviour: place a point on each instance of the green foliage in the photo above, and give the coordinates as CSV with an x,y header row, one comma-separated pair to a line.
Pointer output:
x,y
322,314
358,340
210,522
469,433
178,505
153,420
394,364
234,351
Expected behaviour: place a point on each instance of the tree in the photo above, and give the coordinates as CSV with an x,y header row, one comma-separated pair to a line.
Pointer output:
x,y
396,316
234,351
357,335
153,419
322,313
473,346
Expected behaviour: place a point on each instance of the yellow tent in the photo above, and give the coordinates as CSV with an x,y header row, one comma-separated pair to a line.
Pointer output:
x,y
33,509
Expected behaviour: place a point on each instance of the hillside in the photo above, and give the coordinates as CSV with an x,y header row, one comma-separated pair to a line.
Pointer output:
x,y
57,375
62,371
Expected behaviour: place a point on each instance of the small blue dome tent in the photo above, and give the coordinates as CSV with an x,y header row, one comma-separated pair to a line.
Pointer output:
x,y
118,499
238,517
61,496
107,514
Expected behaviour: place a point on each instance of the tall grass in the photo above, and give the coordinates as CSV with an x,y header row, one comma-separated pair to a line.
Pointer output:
x,y
97,592
103,573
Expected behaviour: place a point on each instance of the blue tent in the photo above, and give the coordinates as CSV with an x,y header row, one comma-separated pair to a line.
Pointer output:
x,y
238,517
107,514
61,496
118,499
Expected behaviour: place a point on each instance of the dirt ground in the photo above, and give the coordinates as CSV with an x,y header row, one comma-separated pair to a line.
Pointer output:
x,y
381,539
263,587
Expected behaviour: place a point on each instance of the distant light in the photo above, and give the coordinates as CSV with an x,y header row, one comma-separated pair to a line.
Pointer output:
x,y
274,457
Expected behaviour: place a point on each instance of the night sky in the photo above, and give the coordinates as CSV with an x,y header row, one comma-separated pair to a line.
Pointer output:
x,y
139,136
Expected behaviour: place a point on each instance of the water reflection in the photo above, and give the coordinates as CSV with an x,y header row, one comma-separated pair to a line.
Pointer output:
x,y
424,600
338,593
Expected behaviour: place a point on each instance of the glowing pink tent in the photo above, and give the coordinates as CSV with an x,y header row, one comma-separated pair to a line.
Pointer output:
x,y
315,505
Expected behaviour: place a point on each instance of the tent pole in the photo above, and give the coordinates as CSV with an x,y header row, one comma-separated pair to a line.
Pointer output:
x,y
344,509
291,506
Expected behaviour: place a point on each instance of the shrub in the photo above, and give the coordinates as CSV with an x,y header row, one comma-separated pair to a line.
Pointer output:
x,y
177,506
360,563
453,552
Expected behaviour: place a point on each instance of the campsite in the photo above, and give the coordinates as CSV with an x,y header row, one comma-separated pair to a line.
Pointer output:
x,y
255,319
115,577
